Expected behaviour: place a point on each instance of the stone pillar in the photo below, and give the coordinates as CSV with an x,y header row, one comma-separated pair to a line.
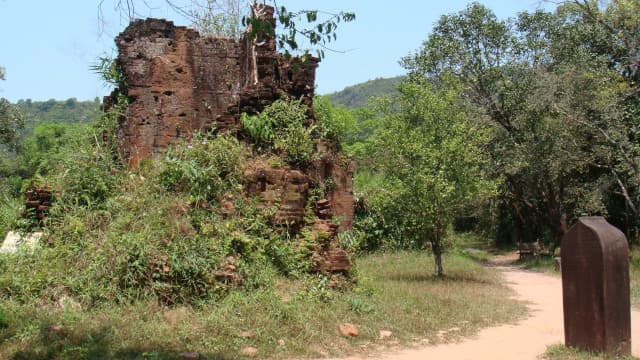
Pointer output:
x,y
595,287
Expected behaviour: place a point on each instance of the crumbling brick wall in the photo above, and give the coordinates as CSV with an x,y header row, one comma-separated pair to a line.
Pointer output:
x,y
37,201
179,82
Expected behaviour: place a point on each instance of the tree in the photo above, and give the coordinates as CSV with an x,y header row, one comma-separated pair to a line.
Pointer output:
x,y
608,41
11,121
221,17
431,158
561,92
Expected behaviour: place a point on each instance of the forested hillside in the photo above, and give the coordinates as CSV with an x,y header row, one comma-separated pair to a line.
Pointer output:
x,y
70,111
358,95
35,134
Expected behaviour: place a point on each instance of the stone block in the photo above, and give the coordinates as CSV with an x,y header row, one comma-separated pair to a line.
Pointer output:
x,y
595,287
15,240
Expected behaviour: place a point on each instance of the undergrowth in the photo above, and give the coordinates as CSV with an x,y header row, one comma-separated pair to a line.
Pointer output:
x,y
179,228
283,128
294,317
634,275
561,352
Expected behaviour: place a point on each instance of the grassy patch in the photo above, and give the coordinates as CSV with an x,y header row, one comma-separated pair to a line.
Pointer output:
x,y
477,247
561,352
544,264
395,292
634,276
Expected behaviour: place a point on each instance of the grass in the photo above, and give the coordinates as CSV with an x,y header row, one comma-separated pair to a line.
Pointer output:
x,y
395,292
545,264
634,276
561,352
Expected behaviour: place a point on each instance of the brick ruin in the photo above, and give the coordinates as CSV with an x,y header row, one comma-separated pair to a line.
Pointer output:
x,y
37,201
179,82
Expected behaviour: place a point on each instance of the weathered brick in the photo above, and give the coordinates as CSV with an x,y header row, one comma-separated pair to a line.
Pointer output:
x,y
179,82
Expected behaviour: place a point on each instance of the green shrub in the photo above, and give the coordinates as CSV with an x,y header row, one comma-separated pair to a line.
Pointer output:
x,y
10,209
178,229
4,319
296,144
335,122
283,128
203,168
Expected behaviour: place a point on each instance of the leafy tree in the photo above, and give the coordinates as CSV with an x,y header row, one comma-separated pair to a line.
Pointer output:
x,y
336,123
561,92
318,28
605,50
11,121
51,143
431,158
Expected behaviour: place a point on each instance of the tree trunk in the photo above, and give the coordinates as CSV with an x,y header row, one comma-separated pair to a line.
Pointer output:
x,y
438,261
436,247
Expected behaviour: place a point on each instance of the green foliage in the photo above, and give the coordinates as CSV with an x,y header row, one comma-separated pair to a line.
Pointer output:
x,y
10,211
51,142
301,312
57,111
319,29
51,131
430,159
4,322
77,160
179,229
335,122
562,352
358,96
110,72
557,94
202,168
11,122
283,128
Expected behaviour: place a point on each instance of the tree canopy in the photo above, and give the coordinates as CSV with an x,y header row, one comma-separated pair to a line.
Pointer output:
x,y
11,121
560,90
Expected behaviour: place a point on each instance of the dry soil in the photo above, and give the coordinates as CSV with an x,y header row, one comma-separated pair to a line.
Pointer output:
x,y
526,340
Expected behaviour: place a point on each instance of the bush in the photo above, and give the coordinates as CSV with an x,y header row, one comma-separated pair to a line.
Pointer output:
x,y
179,229
10,209
4,321
282,128
336,123
203,168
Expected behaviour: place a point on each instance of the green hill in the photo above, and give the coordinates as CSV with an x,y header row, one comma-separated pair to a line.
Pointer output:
x,y
357,96
60,111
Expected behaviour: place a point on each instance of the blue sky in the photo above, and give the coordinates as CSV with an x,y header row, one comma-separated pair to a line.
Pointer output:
x,y
48,46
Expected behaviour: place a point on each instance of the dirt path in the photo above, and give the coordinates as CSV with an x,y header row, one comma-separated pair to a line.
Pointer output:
x,y
526,340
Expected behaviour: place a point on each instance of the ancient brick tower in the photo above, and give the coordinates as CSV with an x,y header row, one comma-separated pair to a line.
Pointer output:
x,y
179,82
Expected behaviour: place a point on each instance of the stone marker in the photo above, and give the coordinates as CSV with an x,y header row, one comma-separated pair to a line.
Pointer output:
x,y
14,240
595,287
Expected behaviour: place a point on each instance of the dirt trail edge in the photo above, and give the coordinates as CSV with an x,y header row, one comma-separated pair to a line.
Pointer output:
x,y
526,340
